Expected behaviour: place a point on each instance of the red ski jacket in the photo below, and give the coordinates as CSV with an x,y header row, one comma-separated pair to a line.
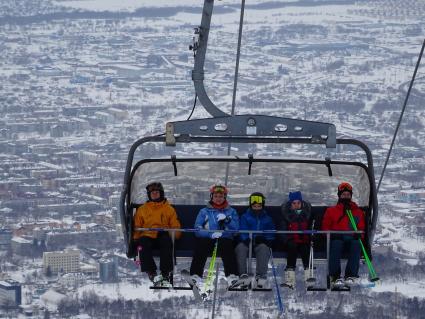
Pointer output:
x,y
335,218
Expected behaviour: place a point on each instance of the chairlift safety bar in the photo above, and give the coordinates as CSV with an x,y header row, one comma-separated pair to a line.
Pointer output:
x,y
196,230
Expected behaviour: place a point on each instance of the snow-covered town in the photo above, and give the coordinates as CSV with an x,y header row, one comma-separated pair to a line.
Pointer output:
x,y
80,81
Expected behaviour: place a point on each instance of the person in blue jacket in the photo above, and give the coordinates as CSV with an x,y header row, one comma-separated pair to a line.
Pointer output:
x,y
217,215
255,218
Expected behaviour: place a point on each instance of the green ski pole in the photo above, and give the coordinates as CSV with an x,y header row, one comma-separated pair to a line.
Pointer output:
x,y
373,276
211,267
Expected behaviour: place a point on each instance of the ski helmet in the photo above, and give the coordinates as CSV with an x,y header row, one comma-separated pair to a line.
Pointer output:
x,y
218,188
345,187
257,198
155,186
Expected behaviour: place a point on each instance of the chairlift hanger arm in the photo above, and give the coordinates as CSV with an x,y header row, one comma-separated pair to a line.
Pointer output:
x,y
199,48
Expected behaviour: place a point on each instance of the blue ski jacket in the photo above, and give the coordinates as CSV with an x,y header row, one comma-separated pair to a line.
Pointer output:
x,y
252,221
207,219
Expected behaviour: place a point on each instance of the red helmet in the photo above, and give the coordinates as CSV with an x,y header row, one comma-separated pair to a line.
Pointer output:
x,y
345,187
218,188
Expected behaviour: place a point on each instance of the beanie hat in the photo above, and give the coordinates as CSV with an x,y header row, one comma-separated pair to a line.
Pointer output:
x,y
295,196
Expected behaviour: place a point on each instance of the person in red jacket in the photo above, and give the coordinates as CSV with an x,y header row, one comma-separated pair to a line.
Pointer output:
x,y
336,218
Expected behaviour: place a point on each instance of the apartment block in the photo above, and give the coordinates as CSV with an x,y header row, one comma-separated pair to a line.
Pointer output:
x,y
62,261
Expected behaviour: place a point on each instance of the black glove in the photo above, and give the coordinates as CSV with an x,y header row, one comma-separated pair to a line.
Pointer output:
x,y
356,236
223,222
346,204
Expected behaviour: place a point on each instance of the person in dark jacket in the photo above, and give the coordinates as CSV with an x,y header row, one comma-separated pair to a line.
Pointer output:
x,y
217,215
296,216
255,218
336,218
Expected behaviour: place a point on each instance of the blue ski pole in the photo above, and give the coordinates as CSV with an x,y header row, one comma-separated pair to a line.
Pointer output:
x,y
278,297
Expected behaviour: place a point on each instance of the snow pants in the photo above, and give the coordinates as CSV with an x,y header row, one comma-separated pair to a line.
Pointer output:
x,y
262,255
204,248
336,250
293,251
165,245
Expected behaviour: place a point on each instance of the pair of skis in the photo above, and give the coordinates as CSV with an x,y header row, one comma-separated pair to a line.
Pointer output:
x,y
194,285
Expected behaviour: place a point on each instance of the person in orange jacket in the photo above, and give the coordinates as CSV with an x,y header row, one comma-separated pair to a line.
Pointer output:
x,y
156,213
336,218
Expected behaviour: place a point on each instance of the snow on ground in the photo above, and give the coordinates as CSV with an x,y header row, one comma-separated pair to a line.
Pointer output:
x,y
133,291
408,289
129,5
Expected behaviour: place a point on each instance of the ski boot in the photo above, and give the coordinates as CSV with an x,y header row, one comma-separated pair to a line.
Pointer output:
x,y
289,279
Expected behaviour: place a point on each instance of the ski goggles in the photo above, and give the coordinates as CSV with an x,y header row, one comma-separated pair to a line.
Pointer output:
x,y
218,189
256,199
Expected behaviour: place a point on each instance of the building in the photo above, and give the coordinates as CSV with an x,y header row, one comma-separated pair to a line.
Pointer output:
x,y
108,269
5,239
10,293
411,195
61,261
21,246
104,218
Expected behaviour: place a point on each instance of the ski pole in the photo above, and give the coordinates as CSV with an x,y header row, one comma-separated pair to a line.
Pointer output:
x,y
373,276
367,259
311,259
278,297
138,259
211,267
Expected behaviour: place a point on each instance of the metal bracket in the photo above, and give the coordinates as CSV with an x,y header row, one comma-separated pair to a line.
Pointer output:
x,y
255,126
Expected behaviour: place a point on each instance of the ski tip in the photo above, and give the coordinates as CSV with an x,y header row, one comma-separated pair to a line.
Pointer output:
x,y
369,285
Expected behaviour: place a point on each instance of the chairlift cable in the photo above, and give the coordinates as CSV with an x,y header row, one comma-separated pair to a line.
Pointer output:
x,y
401,115
235,80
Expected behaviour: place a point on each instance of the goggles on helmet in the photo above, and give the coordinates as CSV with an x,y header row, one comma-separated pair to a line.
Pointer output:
x,y
255,199
218,189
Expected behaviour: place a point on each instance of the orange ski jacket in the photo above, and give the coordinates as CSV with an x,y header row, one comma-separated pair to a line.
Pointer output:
x,y
155,215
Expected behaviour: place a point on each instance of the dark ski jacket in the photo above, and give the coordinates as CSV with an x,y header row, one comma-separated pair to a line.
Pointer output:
x,y
253,221
291,220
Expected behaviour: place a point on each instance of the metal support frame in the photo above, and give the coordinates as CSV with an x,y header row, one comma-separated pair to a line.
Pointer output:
x,y
126,217
253,125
